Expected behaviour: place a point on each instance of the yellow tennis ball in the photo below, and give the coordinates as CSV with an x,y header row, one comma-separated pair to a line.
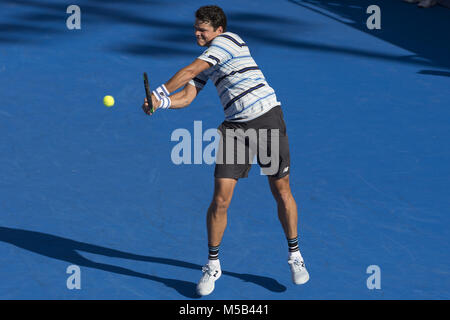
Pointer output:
x,y
108,101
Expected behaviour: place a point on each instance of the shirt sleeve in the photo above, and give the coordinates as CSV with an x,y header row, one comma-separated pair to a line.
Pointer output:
x,y
199,81
219,51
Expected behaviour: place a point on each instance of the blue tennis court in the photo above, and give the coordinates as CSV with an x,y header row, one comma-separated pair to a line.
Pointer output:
x,y
367,114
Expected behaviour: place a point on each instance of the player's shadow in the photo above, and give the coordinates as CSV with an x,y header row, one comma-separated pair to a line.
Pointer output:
x,y
67,250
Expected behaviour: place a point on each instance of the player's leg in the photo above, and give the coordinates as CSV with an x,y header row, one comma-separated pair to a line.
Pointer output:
x,y
281,190
216,218
288,216
216,222
226,175
286,205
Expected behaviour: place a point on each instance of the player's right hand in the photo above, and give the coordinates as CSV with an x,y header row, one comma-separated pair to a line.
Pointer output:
x,y
146,107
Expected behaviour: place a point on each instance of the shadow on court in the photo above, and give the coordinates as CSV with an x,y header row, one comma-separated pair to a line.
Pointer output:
x,y
403,25
424,32
435,73
66,250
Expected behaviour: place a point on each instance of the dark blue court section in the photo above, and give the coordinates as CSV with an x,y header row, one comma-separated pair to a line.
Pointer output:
x,y
367,113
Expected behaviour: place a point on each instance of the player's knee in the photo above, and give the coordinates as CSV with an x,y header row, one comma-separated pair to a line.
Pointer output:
x,y
281,190
220,203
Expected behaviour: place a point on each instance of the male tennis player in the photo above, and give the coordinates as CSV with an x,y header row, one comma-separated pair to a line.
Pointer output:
x,y
249,103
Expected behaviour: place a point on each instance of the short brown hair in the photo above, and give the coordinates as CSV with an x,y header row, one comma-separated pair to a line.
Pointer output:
x,y
213,15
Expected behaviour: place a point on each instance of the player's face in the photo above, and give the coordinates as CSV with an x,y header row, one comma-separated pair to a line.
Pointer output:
x,y
204,32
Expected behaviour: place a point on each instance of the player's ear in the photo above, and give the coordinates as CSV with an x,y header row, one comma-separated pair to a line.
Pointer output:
x,y
219,29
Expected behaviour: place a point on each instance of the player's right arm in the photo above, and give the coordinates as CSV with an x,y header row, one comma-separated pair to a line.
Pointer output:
x,y
184,97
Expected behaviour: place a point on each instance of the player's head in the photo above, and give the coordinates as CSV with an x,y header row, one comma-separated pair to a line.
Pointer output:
x,y
210,21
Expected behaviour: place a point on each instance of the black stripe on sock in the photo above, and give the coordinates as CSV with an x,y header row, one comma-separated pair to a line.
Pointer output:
x,y
293,244
213,252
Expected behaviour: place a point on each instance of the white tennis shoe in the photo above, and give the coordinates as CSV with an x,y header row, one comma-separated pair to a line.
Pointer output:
x,y
299,273
211,272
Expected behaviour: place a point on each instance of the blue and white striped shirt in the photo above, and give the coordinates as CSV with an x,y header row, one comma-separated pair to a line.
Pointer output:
x,y
242,88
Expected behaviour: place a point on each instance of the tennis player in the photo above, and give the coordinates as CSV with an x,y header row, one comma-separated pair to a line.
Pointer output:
x,y
249,103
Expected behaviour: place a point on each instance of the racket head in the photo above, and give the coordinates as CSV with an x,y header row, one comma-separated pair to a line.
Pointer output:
x,y
147,92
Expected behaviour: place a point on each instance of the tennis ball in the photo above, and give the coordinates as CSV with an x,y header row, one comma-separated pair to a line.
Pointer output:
x,y
108,101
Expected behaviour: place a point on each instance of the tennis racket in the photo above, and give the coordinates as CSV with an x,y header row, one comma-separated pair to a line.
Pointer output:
x,y
147,92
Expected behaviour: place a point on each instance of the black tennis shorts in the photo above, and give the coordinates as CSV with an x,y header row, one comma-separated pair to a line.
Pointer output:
x,y
263,139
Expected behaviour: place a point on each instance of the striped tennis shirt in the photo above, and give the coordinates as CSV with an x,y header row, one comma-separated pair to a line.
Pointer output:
x,y
242,88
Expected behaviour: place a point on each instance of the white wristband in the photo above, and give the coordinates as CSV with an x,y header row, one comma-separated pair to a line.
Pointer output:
x,y
165,103
161,92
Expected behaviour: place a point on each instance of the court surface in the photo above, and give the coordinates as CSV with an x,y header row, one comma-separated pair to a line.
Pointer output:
x,y
367,115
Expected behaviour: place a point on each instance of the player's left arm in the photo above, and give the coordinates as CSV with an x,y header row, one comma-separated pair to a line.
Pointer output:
x,y
183,76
